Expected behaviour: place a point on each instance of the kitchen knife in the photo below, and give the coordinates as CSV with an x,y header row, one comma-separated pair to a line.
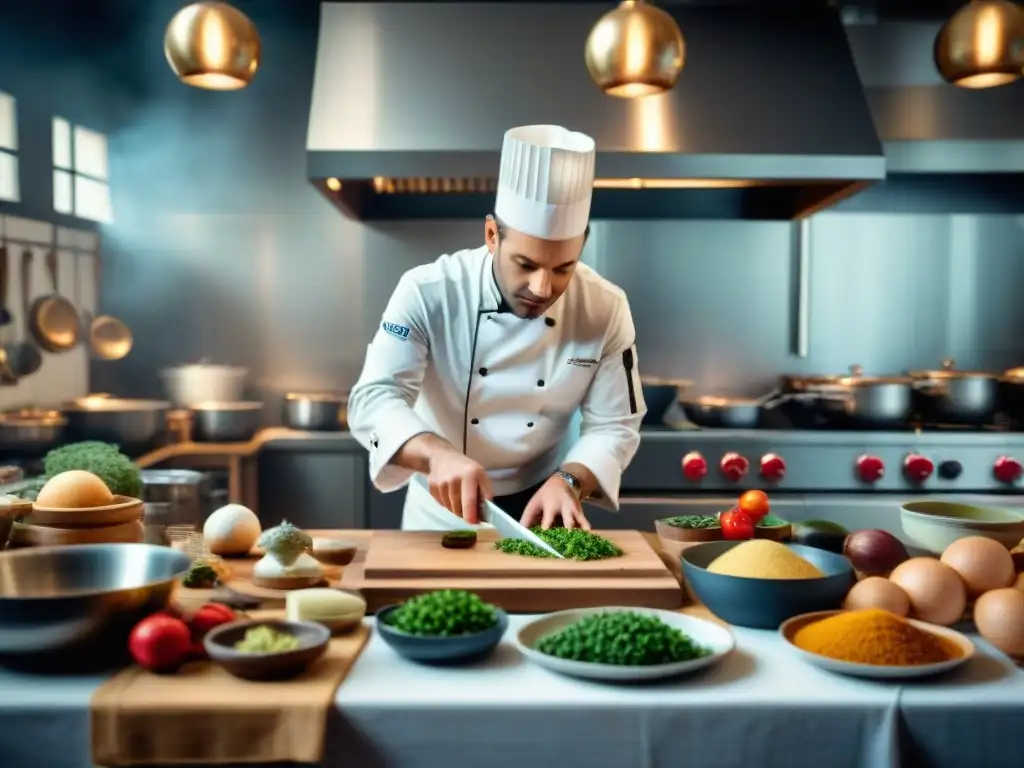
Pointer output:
x,y
510,528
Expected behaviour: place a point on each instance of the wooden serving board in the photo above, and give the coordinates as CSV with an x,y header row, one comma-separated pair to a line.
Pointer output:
x,y
525,592
419,555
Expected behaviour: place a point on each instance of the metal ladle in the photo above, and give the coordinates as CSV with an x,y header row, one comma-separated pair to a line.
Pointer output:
x,y
23,357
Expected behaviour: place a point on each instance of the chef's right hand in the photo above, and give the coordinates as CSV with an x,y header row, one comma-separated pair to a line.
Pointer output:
x,y
459,484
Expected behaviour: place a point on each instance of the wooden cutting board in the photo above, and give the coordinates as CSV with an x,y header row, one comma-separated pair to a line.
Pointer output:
x,y
524,591
419,555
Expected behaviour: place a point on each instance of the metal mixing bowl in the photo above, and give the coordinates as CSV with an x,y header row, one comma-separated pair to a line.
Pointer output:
x,y
55,599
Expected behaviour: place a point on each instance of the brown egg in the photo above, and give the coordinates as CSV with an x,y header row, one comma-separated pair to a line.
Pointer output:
x,y
74,489
999,617
937,593
984,564
877,592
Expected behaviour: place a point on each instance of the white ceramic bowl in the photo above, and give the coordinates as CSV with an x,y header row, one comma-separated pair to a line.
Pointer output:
x,y
934,525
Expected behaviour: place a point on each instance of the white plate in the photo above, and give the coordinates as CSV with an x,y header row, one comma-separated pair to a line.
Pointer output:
x,y
714,636
873,671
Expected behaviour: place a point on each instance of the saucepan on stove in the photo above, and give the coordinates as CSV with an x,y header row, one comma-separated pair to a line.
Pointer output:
x,y
316,411
31,432
869,401
729,412
659,394
949,396
1011,394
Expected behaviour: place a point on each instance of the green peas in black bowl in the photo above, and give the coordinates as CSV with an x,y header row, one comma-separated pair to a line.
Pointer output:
x,y
448,626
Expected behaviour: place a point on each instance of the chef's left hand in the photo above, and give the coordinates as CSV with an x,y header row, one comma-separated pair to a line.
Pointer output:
x,y
552,502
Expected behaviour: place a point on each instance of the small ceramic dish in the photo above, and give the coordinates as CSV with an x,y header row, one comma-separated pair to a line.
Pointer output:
x,y
334,551
441,650
220,646
934,525
124,510
878,671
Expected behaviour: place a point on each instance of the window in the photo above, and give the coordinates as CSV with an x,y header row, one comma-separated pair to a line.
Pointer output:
x,y
10,188
80,183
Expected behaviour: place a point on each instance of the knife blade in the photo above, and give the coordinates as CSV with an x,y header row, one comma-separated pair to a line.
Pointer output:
x,y
510,528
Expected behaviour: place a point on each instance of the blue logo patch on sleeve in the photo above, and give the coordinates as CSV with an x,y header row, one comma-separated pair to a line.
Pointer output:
x,y
400,332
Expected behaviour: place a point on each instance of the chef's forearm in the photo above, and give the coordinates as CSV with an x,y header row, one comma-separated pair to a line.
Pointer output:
x,y
418,451
587,479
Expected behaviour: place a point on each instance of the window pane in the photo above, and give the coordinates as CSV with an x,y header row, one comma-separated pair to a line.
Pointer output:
x,y
92,200
9,187
62,200
90,153
8,123
61,143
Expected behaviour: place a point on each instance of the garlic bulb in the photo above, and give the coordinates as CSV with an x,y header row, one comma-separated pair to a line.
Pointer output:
x,y
231,530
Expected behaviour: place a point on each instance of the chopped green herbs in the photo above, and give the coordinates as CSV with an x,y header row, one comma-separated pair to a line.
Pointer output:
x,y
692,521
771,521
621,638
200,576
444,613
574,543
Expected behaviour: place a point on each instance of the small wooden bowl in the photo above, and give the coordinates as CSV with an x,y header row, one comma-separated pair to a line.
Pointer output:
x,y
124,510
42,536
333,551
675,533
220,645
288,582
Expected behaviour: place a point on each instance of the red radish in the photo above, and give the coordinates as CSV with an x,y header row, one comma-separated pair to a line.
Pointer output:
x,y
160,643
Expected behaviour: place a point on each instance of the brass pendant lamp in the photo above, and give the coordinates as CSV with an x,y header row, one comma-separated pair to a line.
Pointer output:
x,y
213,46
635,50
982,45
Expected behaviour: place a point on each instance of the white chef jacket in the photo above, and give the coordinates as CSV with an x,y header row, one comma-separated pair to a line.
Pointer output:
x,y
450,359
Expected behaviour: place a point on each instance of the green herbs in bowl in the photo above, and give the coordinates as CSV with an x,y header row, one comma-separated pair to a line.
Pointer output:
x,y
771,521
621,639
692,522
443,627
572,543
623,644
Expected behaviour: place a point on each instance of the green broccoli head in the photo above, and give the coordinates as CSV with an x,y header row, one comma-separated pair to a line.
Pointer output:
x,y
104,460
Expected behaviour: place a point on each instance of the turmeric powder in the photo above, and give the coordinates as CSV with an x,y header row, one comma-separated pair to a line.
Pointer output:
x,y
874,636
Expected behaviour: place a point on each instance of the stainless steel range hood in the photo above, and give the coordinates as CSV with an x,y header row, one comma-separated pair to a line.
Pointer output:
x,y
947,149
410,103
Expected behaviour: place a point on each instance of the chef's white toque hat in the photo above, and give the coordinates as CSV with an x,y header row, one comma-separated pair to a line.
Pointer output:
x,y
546,181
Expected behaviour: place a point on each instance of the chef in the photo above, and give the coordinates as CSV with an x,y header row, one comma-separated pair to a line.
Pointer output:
x,y
484,356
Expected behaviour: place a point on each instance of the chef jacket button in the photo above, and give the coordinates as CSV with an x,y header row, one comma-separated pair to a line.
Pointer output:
x,y
529,423
474,421
549,322
483,371
540,382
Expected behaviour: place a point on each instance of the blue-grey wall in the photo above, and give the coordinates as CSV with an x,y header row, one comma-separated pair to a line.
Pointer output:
x,y
222,249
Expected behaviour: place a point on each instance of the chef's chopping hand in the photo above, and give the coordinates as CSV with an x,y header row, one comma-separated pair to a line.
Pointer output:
x,y
554,502
459,484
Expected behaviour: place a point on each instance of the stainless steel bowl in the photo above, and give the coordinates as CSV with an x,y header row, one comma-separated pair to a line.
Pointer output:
x,y
315,412
217,422
57,599
134,425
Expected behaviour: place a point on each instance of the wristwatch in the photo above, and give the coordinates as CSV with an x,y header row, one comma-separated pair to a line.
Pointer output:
x,y
574,482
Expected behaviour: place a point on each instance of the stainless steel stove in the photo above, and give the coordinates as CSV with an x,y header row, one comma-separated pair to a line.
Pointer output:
x,y
859,479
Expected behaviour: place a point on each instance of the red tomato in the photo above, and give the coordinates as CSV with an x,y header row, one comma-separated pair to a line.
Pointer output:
x,y
737,525
160,643
755,504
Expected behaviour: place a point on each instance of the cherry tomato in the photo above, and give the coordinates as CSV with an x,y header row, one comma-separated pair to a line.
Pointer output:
x,y
737,525
755,504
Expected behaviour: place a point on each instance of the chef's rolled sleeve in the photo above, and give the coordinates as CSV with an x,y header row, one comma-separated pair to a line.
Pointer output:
x,y
612,411
380,406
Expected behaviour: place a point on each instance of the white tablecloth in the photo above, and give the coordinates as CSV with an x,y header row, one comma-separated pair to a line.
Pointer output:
x,y
762,707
